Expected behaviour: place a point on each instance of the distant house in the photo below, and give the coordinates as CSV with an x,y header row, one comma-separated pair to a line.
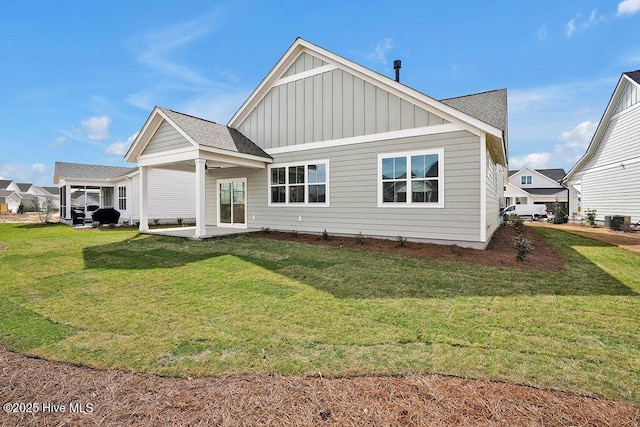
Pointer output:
x,y
325,143
606,177
9,195
537,186
85,188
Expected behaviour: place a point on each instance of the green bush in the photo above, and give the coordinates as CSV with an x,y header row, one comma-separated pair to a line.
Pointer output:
x,y
401,241
324,235
359,239
558,216
591,217
523,246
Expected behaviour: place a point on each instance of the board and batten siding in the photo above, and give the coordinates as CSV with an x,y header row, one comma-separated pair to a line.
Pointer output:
x,y
353,193
610,178
172,194
331,105
305,62
166,138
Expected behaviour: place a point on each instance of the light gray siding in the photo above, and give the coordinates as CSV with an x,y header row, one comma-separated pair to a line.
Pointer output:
x,y
166,138
172,194
353,189
305,62
610,177
630,97
326,106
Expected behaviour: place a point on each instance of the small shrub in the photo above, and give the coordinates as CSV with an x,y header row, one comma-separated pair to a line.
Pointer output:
x,y
558,216
156,221
523,247
514,220
21,208
112,225
95,224
359,239
294,233
179,220
324,235
265,230
401,242
591,217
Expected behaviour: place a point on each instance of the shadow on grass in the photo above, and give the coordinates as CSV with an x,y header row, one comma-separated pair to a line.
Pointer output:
x,y
348,273
36,225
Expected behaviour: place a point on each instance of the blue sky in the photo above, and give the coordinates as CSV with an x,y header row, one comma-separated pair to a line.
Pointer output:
x,y
79,79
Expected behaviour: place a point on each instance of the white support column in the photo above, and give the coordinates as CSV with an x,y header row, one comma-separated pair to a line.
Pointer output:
x,y
201,230
144,198
67,190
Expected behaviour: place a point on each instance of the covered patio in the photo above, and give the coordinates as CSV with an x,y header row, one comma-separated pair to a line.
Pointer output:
x,y
211,232
172,140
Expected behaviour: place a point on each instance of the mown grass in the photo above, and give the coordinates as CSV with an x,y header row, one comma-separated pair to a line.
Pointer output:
x,y
114,299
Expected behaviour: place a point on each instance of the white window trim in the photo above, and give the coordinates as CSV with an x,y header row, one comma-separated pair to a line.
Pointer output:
x,y
306,164
409,204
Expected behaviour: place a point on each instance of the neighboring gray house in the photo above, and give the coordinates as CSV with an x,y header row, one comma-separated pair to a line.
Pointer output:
x,y
605,179
87,187
537,186
324,143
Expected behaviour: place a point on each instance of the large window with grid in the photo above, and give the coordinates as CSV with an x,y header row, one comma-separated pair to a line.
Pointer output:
x,y
411,179
299,184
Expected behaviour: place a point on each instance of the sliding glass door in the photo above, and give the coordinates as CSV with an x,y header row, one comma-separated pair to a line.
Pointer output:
x,y
232,202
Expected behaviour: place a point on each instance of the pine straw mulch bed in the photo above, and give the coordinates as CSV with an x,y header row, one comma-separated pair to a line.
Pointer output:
x,y
499,253
115,398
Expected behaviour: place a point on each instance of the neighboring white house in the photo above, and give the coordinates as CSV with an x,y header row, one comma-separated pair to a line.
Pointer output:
x,y
606,177
537,186
86,188
10,195
324,143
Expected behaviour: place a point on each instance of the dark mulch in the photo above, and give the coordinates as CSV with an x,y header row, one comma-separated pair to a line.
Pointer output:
x,y
499,253
115,398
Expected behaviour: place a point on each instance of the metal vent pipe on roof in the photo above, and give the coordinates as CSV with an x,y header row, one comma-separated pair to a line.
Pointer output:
x,y
397,64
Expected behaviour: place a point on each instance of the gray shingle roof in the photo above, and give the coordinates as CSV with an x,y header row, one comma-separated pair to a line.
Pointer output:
x,y
554,174
634,75
6,193
84,171
4,183
53,190
546,191
211,134
24,186
489,107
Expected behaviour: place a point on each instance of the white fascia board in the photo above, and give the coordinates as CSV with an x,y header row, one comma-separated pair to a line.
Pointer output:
x,y
483,188
149,129
602,126
305,74
233,154
230,159
167,157
405,133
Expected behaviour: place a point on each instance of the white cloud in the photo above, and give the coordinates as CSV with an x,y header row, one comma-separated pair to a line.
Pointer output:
x,y
119,148
96,128
379,52
36,173
628,7
543,33
580,136
581,23
570,27
533,160
57,142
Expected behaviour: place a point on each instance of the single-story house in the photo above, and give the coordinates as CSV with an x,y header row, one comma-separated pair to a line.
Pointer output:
x,y
10,201
537,186
606,177
85,188
325,143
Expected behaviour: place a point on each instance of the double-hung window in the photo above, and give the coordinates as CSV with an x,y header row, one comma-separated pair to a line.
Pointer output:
x,y
526,180
299,184
411,179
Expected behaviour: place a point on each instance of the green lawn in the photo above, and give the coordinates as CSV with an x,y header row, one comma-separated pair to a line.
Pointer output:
x,y
113,299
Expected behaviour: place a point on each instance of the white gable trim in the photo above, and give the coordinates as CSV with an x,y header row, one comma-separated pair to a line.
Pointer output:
x,y
405,133
531,171
404,92
602,125
305,74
